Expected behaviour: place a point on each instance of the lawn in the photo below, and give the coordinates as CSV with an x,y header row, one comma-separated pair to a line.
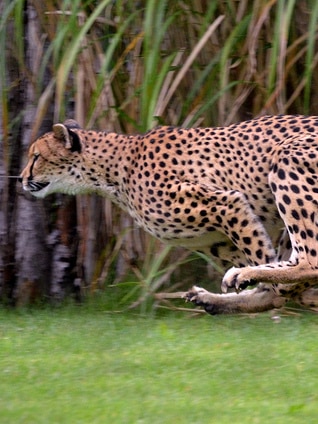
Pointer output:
x,y
86,365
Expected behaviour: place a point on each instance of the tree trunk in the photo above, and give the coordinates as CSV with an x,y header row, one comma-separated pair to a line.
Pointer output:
x,y
45,250
11,100
32,260
4,259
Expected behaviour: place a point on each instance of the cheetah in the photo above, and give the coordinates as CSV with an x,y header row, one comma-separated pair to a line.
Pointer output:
x,y
245,195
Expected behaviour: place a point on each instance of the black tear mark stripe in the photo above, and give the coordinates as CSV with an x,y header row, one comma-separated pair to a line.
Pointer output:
x,y
35,158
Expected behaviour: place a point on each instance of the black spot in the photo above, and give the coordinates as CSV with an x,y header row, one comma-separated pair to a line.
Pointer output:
x,y
310,233
191,218
273,187
232,222
259,254
247,251
300,170
294,188
310,181
295,230
304,213
281,207
281,174
295,214
235,236
285,161
303,235
293,176
247,240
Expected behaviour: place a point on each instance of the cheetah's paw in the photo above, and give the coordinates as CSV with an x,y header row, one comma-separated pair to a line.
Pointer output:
x,y
238,279
197,295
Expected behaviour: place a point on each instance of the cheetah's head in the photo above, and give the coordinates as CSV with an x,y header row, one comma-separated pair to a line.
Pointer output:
x,y
53,161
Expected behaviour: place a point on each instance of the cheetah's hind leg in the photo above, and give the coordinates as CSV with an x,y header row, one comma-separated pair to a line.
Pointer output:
x,y
307,298
261,298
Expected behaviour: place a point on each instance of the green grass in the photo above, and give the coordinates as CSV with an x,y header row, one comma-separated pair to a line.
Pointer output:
x,y
86,365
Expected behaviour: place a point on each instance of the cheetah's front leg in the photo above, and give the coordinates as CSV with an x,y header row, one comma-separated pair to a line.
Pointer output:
x,y
284,272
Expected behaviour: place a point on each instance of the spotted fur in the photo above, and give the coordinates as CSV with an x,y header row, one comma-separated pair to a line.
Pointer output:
x,y
246,194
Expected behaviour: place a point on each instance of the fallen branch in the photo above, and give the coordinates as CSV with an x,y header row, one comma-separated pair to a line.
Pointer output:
x,y
175,295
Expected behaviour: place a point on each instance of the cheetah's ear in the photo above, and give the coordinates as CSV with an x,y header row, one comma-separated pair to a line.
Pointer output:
x,y
71,123
64,133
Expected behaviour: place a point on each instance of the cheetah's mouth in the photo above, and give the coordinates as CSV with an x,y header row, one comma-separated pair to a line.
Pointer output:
x,y
36,186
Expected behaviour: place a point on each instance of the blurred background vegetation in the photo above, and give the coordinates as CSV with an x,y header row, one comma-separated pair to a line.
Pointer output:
x,y
126,66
